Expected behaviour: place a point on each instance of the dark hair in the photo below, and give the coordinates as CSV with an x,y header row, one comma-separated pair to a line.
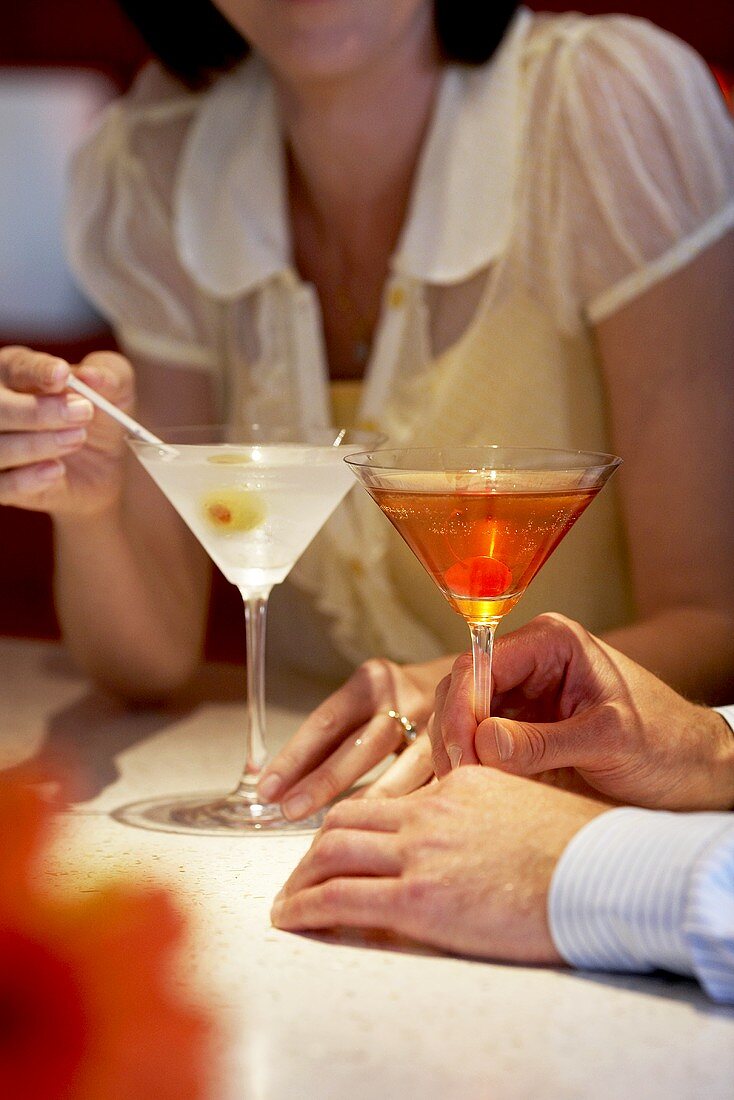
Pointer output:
x,y
194,41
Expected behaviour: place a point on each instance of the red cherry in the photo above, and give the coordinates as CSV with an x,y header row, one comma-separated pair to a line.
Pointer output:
x,y
480,578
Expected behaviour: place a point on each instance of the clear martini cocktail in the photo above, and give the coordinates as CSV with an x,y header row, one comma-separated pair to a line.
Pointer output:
x,y
482,521
254,499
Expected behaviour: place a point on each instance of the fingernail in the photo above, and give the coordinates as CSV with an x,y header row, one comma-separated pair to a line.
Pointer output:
x,y
297,806
504,743
276,911
56,372
51,472
91,373
69,437
269,787
454,754
78,409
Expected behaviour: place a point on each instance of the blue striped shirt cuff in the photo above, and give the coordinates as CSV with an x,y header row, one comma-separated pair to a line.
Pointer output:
x,y
639,890
728,713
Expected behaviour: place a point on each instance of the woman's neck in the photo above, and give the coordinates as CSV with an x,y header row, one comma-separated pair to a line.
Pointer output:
x,y
353,146
354,142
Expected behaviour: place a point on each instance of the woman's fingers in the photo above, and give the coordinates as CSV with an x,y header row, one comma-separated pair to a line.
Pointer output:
x,y
31,371
57,452
345,710
412,769
25,486
111,375
33,397
25,448
30,463
357,754
34,412
376,687
40,424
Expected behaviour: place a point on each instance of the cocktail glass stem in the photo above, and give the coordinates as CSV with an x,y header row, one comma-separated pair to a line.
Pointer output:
x,y
256,753
482,642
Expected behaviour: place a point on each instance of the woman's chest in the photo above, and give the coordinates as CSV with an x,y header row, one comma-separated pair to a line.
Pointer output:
x,y
508,375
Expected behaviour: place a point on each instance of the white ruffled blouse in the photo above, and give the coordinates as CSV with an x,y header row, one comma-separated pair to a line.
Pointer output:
x,y
589,159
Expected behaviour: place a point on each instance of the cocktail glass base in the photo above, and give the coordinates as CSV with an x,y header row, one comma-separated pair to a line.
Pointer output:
x,y
217,813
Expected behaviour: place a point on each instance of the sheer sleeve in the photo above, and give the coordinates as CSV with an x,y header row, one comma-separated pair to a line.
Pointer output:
x,y
119,227
630,163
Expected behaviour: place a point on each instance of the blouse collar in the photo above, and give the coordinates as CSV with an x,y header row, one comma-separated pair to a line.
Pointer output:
x,y
230,215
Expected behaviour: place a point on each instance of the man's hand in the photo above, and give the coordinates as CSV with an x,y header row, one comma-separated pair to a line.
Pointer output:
x,y
583,716
464,864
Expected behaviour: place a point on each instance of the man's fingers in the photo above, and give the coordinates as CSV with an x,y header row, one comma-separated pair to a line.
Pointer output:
x,y
527,748
355,902
536,655
458,723
383,815
340,852
440,761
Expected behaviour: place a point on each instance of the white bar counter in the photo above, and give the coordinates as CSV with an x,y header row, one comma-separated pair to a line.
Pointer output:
x,y
336,1016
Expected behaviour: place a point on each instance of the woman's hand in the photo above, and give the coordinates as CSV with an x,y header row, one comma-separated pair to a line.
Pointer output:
x,y
58,454
351,732
573,711
464,865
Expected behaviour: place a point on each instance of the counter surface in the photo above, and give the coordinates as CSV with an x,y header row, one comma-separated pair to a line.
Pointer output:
x,y
337,1015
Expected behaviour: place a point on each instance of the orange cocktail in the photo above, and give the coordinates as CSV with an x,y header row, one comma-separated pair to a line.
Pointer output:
x,y
482,548
482,521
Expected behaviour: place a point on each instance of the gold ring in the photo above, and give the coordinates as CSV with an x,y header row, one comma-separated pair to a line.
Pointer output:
x,y
407,728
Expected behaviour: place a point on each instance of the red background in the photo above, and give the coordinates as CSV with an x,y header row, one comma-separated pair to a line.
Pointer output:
x,y
94,32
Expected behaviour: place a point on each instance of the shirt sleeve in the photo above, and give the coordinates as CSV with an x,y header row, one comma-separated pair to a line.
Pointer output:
x,y
727,713
640,890
119,228
631,164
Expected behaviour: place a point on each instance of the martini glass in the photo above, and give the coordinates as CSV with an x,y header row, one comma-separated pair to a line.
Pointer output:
x,y
482,521
254,498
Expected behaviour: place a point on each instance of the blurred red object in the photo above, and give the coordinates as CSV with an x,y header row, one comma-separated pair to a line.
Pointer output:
x,y
725,80
77,1020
